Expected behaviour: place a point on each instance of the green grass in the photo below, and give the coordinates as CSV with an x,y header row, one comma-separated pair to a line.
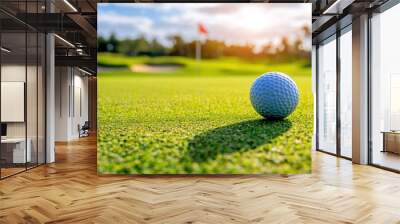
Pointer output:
x,y
198,119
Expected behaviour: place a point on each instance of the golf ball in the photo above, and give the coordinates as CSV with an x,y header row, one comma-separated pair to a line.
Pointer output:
x,y
274,95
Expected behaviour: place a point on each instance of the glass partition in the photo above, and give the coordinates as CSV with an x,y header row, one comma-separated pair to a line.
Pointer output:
x,y
14,153
31,99
327,96
23,91
41,96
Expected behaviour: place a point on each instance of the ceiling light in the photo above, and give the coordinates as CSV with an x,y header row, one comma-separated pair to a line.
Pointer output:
x,y
86,72
70,5
338,6
65,41
5,50
79,51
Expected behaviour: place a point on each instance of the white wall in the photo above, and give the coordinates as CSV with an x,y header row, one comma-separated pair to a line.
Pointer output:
x,y
70,83
17,73
14,73
79,117
13,101
62,82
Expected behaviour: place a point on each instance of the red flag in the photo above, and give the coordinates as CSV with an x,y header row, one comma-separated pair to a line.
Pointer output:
x,y
201,29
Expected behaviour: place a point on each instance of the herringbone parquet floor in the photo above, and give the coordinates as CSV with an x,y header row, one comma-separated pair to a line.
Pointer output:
x,y
70,191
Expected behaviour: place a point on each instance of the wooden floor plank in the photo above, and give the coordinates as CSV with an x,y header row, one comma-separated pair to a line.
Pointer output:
x,y
70,191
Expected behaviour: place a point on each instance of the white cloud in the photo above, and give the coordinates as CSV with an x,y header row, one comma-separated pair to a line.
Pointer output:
x,y
141,24
255,23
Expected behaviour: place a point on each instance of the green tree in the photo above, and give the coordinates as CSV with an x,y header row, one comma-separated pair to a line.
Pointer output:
x,y
101,44
112,44
157,49
178,47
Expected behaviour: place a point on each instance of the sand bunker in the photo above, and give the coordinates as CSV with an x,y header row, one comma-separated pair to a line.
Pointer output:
x,y
155,68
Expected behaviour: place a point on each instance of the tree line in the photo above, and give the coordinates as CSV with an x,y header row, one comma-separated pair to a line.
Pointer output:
x,y
284,50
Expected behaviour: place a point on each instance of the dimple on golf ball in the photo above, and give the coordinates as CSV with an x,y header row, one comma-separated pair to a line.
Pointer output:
x,y
274,95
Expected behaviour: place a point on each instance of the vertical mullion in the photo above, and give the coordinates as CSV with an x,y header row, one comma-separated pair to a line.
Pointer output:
x,y
69,92
37,89
60,88
45,87
317,97
26,86
369,89
0,92
45,94
73,92
338,96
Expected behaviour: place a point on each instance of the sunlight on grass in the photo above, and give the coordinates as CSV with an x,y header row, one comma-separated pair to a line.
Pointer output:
x,y
198,119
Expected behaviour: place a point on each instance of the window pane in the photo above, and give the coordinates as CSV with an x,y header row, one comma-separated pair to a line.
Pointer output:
x,y
346,94
385,84
327,96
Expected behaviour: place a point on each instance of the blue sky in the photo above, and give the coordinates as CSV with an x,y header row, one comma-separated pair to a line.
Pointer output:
x,y
255,23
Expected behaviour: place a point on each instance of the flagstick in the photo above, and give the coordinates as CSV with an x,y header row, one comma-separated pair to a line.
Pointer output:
x,y
198,54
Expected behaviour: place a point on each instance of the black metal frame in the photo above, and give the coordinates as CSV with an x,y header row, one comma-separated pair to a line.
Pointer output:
x,y
316,97
36,164
369,88
338,75
0,86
